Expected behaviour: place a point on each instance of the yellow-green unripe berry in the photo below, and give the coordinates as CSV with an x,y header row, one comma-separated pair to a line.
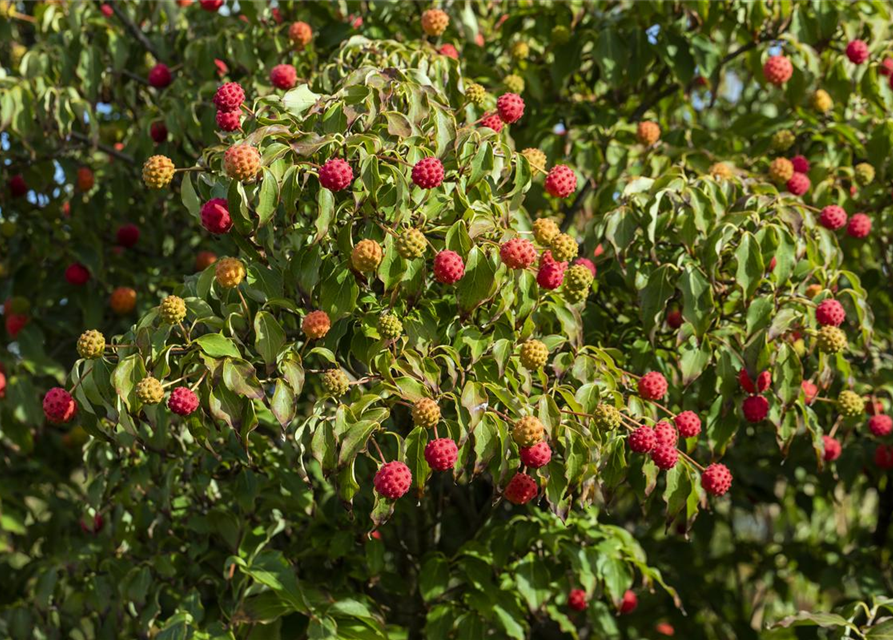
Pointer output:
x,y
564,248
514,83
149,390
335,383
607,416
560,34
390,327
476,94
425,413
158,171
520,50
850,405
578,278
411,244
537,160
91,345
864,173
528,431
533,355
822,102
781,170
831,339
173,310
782,140
545,230
575,296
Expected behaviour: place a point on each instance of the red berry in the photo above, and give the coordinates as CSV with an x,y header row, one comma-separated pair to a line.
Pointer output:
x,y
883,456
886,67
160,76
857,51
393,480
586,262
665,629
15,322
283,76
745,381
17,186
441,454
211,5
859,226
182,401
830,312
629,602
492,121
158,132
449,51
799,184
77,274
428,173
58,405
755,408
576,600
800,164
128,235
664,456
518,253
777,70
642,440
215,216
832,448
810,391
221,67
880,425
536,456
107,10
551,273
652,386
872,406
561,181
229,96
666,433
688,424
229,120
510,107
764,380
335,175
832,217
772,264
448,267
521,489
716,479
674,318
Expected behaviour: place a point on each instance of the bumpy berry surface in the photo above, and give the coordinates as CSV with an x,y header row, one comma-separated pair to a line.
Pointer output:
x,y
832,217
448,267
215,216
551,274
449,51
564,248
831,339
441,454
229,97
517,253
514,83
857,51
781,170
492,121
864,173
283,76
782,140
393,480
91,345
777,70
721,171
510,107
434,22
880,425
158,171
589,264
241,162
545,230
576,600
688,423
123,300
476,94
578,278
300,33
521,489
653,386
716,479
229,272
533,355
527,431
316,324
335,175
642,440
366,256
822,102
798,184
411,244
229,120
149,390
606,416
561,181
830,312
172,309
425,413
850,405
535,157
58,406
335,383
755,408
664,456
536,456
182,401
745,381
427,173
832,448
648,133
390,327
859,226
77,274
800,164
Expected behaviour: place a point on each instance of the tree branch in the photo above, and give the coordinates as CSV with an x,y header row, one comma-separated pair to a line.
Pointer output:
x,y
135,30
571,210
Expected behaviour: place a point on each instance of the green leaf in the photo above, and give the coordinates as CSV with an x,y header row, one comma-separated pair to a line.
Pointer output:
x,y
299,100
218,346
750,264
435,577
268,199
269,337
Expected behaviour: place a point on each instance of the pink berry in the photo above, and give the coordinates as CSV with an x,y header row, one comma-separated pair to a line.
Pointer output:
x,y
510,107
830,312
642,440
716,479
428,173
393,480
688,424
335,175
448,267
561,181
182,401
536,456
215,216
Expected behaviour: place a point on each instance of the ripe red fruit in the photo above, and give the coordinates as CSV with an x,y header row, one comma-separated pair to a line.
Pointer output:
x,y
428,173
160,76
561,181
17,186
666,433
716,479
517,253
800,164
763,381
883,456
492,121
127,235
58,406
222,69
211,5
510,107
229,120
393,480
830,312
872,406
798,184
777,70
665,629
586,262
832,448
551,272
15,322
688,424
576,600
664,456
745,381
832,217
755,408
300,33
521,489
810,391
886,67
629,602
859,226
652,386
229,96
158,132
283,76
335,175
449,51
857,51
536,456
674,318
77,274
107,10
880,425
448,267
642,440
85,179
215,216
182,401
441,454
